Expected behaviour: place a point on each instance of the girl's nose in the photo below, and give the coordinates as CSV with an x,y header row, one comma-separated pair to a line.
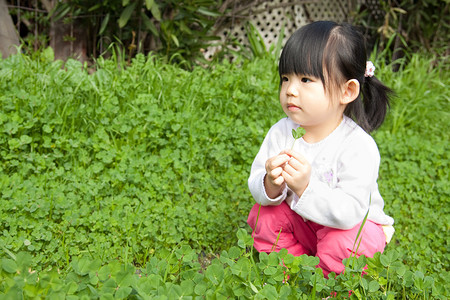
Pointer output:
x,y
292,91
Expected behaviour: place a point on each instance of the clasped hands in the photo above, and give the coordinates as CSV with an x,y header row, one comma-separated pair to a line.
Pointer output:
x,y
289,167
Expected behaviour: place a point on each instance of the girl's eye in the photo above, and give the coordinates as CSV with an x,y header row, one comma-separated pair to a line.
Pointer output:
x,y
305,79
284,78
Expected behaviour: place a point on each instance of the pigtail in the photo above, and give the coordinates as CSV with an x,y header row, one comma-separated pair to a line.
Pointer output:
x,y
371,106
375,98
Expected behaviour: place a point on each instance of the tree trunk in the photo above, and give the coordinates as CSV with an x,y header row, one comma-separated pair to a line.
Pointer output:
x,y
8,34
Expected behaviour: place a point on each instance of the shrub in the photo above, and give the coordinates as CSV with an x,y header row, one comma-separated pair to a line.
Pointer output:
x,y
128,182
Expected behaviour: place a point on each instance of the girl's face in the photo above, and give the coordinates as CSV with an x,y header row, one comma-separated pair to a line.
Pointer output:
x,y
304,100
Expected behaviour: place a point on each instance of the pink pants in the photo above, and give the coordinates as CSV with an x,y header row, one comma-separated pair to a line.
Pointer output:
x,y
299,237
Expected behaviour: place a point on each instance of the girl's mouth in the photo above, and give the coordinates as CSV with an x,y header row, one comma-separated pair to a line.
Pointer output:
x,y
292,107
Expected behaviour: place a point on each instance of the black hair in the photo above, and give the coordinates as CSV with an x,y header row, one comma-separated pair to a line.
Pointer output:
x,y
336,53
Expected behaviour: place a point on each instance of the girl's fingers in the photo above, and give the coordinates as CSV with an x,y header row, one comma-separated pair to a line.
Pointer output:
x,y
288,169
287,177
280,160
299,157
294,163
279,180
296,172
276,162
294,168
275,172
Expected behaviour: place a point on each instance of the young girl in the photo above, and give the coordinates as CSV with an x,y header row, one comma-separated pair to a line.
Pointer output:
x,y
313,198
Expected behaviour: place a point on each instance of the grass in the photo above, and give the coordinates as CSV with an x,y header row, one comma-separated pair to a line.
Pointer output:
x,y
109,172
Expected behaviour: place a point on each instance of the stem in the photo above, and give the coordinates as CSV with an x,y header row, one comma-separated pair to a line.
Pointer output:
x,y
276,242
293,144
355,251
313,292
168,266
8,252
251,251
388,284
256,223
256,269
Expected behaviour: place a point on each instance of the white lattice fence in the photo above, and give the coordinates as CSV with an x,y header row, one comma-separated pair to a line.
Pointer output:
x,y
269,17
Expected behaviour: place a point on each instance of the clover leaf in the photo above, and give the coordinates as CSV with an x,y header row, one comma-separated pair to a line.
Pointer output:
x,y
297,133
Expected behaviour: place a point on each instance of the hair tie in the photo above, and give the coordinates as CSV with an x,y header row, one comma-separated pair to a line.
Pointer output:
x,y
370,69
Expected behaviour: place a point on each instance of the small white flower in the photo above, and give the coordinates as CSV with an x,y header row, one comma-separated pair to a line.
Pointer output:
x,y
370,69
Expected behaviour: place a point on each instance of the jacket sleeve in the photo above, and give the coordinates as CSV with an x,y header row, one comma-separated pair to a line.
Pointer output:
x,y
275,141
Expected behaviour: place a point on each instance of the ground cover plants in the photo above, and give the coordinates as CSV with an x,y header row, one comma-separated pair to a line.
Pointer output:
x,y
131,183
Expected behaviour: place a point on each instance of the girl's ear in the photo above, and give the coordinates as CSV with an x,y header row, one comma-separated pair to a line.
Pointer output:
x,y
350,91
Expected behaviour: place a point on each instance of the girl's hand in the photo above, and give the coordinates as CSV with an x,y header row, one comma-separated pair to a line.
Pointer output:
x,y
297,172
274,181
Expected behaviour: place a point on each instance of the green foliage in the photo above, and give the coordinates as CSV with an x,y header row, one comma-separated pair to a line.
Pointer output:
x,y
179,30
257,45
417,26
235,273
118,162
296,134
418,79
126,182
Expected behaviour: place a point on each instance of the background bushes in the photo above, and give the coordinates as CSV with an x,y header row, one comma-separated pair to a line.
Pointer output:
x,y
180,31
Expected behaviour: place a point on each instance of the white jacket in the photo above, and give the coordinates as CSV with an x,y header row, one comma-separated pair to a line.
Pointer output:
x,y
344,172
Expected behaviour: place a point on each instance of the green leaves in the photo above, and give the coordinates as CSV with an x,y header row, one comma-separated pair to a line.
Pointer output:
x,y
126,14
104,24
153,7
296,134
114,185
256,41
9,265
232,274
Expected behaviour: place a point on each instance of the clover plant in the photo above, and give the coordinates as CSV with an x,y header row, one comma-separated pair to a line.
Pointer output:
x,y
297,134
